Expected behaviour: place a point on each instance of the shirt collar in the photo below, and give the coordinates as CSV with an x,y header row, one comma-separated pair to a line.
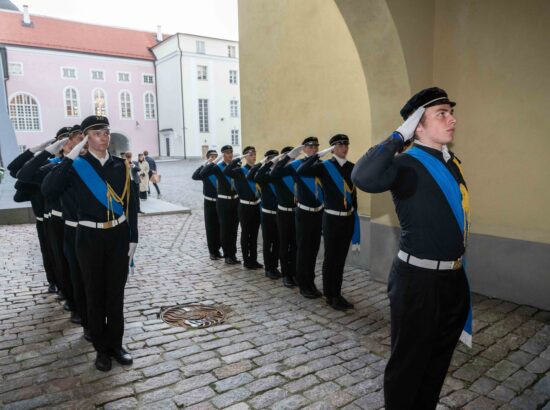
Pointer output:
x,y
444,150
102,161
340,161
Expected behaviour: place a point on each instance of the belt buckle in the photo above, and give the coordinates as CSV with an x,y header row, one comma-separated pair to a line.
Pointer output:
x,y
108,224
456,264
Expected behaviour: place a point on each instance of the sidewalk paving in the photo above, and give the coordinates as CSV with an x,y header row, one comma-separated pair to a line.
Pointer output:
x,y
276,349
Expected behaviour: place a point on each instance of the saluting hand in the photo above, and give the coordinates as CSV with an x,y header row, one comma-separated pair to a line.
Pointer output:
x,y
325,151
40,147
408,128
218,159
55,147
75,152
295,152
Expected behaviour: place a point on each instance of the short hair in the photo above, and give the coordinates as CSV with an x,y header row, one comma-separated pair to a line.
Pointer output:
x,y
127,154
145,152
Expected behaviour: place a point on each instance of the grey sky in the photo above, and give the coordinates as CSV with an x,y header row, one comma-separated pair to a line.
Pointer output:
x,y
214,18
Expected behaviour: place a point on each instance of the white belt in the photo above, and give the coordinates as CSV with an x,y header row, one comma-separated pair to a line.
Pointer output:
x,y
103,225
250,202
338,213
47,216
209,199
282,208
428,263
57,213
71,223
269,211
38,218
308,208
228,196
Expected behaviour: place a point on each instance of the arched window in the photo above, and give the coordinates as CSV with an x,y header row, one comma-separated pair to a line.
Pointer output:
x,y
125,104
149,103
99,102
71,102
24,112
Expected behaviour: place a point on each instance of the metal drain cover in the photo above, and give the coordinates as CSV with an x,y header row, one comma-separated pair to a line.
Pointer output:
x,y
192,315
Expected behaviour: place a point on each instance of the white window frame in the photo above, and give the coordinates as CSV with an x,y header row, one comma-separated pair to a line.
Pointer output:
x,y
20,64
236,78
104,98
235,132
234,108
231,51
202,49
204,121
154,103
149,75
71,68
98,70
202,76
77,102
124,72
120,105
39,109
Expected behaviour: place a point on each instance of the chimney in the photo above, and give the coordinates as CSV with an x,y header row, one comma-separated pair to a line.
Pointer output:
x,y
26,16
159,34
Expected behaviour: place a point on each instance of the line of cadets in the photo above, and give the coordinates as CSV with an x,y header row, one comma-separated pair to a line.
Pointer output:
x,y
86,220
295,201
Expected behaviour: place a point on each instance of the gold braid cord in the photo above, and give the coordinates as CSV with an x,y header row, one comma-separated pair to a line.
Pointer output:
x,y
124,198
465,204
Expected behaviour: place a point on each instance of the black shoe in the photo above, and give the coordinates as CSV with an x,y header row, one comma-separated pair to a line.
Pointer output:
x,y
316,291
289,282
271,274
103,362
122,356
52,288
308,293
87,335
214,257
339,303
232,260
60,296
67,307
75,318
253,265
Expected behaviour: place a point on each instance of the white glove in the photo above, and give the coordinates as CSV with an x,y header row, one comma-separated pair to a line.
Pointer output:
x,y
41,147
263,161
132,250
325,151
75,152
55,147
408,128
295,152
218,159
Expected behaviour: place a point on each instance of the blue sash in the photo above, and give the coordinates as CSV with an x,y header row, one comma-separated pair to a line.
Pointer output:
x,y
251,184
55,160
96,185
309,182
222,165
213,180
289,182
339,181
451,190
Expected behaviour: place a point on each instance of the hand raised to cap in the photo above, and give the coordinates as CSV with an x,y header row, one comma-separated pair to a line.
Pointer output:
x,y
408,128
218,159
295,152
75,152
325,151
40,147
55,147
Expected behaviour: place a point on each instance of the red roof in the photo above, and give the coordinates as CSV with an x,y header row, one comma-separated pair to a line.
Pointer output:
x,y
57,34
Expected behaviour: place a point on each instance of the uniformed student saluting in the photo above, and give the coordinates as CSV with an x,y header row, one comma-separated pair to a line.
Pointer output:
x,y
427,288
106,236
340,220
227,203
210,194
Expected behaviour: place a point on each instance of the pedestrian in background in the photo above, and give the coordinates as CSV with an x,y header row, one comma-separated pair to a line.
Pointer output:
x,y
144,177
154,177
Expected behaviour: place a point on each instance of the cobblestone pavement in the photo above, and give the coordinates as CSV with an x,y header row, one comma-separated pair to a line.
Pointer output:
x,y
177,186
276,350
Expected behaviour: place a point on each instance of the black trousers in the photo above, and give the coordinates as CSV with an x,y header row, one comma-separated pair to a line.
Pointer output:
x,y
135,192
154,184
249,217
286,226
103,258
428,310
47,256
79,292
212,225
337,234
270,239
56,231
308,240
229,224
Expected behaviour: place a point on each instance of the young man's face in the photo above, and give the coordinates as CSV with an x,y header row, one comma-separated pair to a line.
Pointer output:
x,y
341,150
73,140
212,157
310,150
250,157
228,155
99,140
437,125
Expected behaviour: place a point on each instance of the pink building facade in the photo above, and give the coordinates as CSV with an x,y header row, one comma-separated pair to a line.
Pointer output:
x,y
59,84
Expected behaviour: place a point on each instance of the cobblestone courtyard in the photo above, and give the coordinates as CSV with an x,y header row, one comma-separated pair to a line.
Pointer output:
x,y
275,350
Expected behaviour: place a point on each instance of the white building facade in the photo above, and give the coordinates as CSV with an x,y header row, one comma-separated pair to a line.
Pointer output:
x,y
198,95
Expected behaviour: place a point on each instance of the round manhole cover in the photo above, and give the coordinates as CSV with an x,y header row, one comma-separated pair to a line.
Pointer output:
x,y
192,315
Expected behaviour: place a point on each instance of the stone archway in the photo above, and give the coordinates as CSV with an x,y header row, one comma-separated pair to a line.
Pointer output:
x,y
119,143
